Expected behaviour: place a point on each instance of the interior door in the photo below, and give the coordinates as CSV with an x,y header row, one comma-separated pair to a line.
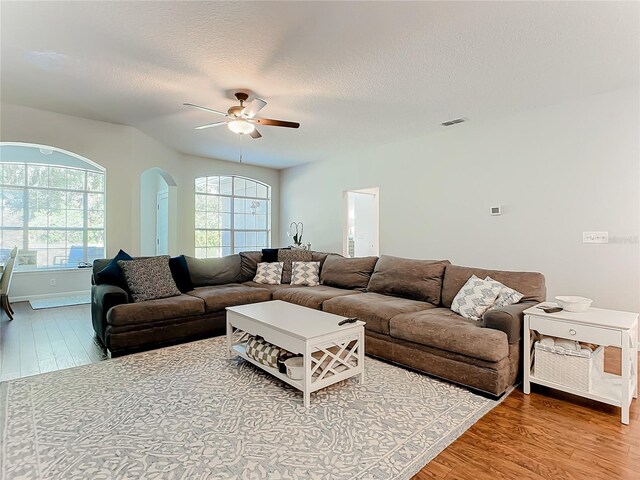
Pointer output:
x,y
162,224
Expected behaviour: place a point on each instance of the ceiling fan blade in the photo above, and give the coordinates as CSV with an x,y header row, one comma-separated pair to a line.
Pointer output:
x,y
276,123
254,107
255,134
209,125
204,108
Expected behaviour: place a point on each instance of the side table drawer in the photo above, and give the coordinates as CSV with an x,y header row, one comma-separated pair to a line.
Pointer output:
x,y
573,331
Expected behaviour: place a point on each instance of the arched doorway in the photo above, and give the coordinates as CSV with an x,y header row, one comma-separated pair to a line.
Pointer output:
x,y
158,203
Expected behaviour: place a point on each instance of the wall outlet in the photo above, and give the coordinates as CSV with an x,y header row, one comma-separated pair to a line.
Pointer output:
x,y
52,282
595,237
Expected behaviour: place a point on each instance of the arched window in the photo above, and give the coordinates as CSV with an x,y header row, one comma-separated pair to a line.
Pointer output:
x,y
233,214
52,207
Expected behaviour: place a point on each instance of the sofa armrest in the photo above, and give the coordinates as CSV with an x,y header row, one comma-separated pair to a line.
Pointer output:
x,y
103,298
509,319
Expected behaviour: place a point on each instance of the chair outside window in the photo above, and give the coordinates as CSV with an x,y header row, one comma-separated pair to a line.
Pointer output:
x,y
5,283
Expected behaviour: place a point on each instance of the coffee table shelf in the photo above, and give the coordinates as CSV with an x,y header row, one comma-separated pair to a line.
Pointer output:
x,y
241,351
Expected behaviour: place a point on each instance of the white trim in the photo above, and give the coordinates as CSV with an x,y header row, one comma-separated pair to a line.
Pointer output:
x,y
56,149
44,271
43,296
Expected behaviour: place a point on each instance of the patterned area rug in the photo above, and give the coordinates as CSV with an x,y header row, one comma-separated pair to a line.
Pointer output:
x,y
60,301
186,412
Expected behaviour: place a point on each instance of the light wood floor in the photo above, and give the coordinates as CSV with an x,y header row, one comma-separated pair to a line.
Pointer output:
x,y
545,435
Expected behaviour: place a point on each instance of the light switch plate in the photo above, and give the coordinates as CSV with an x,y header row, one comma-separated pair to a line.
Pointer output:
x,y
595,237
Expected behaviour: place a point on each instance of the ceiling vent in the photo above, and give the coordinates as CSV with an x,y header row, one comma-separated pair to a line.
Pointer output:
x,y
453,122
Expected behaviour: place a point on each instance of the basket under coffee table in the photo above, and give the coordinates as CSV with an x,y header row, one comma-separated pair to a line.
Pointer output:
x,y
331,353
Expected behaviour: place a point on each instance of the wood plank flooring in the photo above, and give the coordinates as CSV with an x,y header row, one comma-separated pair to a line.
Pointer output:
x,y
39,341
545,435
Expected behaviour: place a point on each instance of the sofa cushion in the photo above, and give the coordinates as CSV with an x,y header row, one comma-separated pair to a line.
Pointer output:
x,y
530,284
180,273
287,257
312,297
271,288
408,278
218,297
149,278
111,273
373,308
351,273
319,257
248,265
214,271
441,328
155,310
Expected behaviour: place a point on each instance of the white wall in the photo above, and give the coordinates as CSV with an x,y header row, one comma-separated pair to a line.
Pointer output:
x,y
557,171
125,153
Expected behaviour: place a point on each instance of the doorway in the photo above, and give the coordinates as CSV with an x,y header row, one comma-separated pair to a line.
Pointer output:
x,y
162,223
361,233
158,213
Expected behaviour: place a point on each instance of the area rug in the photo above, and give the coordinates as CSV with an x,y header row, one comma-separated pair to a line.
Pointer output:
x,y
187,412
65,301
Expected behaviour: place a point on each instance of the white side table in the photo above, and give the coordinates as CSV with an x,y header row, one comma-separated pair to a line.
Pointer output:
x,y
598,326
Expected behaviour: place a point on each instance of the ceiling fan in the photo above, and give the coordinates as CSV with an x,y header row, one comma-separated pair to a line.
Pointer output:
x,y
241,119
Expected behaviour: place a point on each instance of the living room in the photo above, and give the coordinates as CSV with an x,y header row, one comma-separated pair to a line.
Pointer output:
x,y
493,138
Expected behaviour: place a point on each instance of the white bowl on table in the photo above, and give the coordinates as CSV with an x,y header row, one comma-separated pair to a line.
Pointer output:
x,y
295,368
572,303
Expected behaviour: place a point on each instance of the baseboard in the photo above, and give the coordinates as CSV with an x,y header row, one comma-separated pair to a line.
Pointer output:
x,y
44,296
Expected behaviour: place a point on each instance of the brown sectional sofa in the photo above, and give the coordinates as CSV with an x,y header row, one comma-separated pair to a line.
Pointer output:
x,y
405,304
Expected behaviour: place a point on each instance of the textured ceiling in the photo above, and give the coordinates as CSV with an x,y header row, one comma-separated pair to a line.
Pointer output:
x,y
353,74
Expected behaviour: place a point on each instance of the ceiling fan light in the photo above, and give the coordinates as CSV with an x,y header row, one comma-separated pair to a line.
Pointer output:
x,y
241,126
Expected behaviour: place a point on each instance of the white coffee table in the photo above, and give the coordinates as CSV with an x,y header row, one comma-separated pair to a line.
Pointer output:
x,y
303,331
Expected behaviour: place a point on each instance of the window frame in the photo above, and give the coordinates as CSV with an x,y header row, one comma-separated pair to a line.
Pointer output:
x,y
25,228
232,226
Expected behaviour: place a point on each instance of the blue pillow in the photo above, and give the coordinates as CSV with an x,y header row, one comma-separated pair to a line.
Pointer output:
x,y
180,271
111,274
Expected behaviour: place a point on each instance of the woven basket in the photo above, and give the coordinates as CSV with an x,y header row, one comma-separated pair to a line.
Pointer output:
x,y
569,370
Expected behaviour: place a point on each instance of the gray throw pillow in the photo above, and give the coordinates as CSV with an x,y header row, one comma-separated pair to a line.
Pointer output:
x,y
408,278
287,256
214,271
149,278
350,273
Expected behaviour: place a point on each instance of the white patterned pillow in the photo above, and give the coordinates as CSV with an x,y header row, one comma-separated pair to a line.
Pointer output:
x,y
305,273
269,273
507,296
475,298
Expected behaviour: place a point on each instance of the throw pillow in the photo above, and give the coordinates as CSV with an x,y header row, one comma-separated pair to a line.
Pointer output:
x,y
507,296
214,271
270,255
269,273
474,298
180,272
149,278
350,273
112,274
305,273
289,256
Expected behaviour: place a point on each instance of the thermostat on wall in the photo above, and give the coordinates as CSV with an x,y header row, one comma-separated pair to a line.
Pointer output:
x,y
496,210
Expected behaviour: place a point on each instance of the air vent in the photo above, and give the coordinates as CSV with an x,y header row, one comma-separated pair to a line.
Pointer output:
x,y
453,122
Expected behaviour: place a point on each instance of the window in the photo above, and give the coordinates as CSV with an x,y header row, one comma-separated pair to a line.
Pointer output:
x,y
233,214
53,213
